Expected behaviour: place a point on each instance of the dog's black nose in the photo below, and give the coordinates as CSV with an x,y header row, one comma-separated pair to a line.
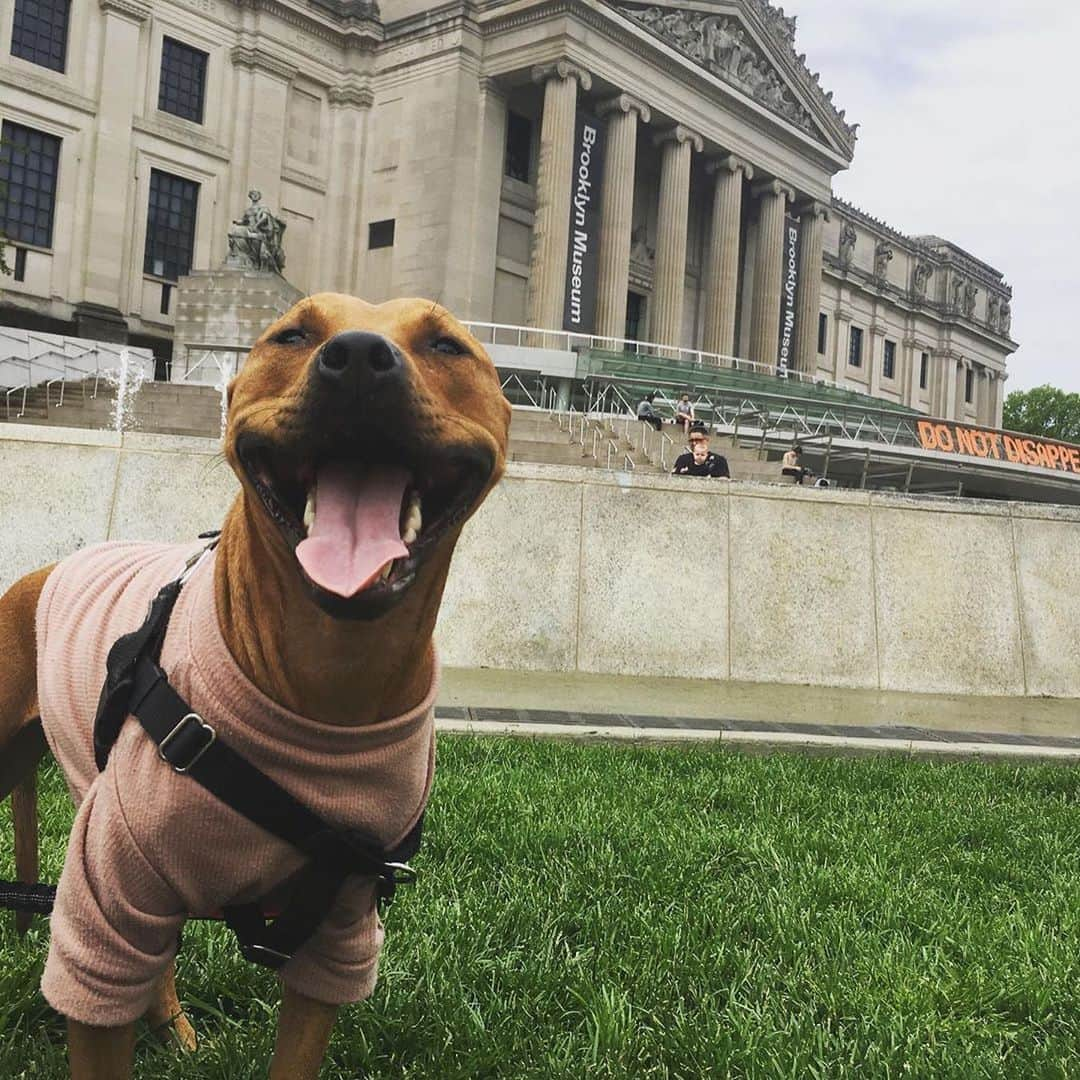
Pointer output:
x,y
359,359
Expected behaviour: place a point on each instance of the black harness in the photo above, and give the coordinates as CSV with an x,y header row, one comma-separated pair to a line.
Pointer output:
x,y
136,685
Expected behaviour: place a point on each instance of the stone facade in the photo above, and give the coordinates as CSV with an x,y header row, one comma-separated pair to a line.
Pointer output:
x,y
349,115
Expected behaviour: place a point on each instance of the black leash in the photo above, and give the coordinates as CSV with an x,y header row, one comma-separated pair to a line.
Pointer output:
x,y
136,685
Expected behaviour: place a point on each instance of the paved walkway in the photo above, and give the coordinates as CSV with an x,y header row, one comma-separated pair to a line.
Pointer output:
x,y
750,716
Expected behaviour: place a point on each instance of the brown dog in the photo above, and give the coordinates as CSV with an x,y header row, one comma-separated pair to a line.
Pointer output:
x,y
334,390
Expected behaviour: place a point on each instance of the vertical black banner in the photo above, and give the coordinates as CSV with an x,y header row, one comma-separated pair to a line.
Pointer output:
x,y
581,257
789,294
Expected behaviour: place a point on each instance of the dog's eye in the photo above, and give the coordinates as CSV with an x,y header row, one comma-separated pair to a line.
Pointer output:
x,y
293,336
448,346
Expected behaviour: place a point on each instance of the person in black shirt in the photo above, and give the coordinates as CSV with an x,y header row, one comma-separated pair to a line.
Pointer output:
x,y
700,461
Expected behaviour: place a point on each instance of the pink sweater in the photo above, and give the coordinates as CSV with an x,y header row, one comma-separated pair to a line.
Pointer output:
x,y
149,846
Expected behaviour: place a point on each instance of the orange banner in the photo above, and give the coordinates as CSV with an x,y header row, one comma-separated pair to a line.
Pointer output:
x,y
953,438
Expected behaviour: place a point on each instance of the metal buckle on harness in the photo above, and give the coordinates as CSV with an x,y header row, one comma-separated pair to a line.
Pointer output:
x,y
393,874
176,759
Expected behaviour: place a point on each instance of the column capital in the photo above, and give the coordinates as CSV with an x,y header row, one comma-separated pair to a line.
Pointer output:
x,y
136,10
731,163
812,208
625,103
258,59
351,92
562,69
680,134
772,187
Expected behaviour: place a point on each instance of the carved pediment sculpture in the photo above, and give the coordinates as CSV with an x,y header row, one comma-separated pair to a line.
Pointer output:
x,y
846,249
883,254
721,45
1005,318
640,252
993,305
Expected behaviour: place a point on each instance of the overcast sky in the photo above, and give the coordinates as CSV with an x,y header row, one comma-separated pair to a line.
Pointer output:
x,y
970,129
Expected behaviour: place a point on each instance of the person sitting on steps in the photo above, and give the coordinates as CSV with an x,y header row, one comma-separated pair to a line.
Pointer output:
x,y
647,412
791,466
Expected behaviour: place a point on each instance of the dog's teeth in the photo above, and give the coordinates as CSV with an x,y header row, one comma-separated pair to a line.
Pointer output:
x,y
413,520
309,510
386,571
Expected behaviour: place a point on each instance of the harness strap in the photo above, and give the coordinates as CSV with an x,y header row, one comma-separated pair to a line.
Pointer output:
x,y
136,685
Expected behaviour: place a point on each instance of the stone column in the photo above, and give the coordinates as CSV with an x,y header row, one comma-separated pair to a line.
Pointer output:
x,y
722,261
350,106
765,320
874,357
107,241
669,278
616,212
808,305
551,226
998,400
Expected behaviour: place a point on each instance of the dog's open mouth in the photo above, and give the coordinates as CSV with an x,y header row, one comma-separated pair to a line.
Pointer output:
x,y
361,529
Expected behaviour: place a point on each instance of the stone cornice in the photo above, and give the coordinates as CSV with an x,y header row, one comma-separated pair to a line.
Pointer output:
x,y
562,69
351,32
351,92
625,103
136,10
258,59
860,281
45,87
680,134
731,163
180,134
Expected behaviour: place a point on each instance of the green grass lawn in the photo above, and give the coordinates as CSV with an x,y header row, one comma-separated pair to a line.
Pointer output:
x,y
586,911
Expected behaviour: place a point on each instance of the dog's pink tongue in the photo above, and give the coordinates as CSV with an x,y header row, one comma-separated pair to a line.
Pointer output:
x,y
355,532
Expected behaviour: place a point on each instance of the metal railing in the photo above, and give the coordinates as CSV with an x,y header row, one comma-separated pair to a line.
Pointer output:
x,y
29,359
221,362
490,333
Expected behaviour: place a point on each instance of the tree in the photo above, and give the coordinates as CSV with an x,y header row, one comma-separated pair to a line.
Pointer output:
x,y
1044,410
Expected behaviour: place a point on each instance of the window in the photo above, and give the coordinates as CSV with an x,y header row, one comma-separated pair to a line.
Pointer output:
x,y
39,32
855,347
183,80
170,225
822,332
518,162
969,384
924,371
888,366
29,161
380,234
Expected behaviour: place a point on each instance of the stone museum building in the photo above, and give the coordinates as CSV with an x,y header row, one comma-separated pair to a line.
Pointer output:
x,y
658,172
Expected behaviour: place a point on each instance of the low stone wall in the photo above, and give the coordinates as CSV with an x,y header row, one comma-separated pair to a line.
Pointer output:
x,y
578,570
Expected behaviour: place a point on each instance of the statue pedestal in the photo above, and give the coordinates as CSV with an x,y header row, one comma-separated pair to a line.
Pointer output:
x,y
219,314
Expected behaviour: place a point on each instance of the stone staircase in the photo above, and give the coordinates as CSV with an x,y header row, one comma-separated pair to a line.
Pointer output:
x,y
537,436
160,407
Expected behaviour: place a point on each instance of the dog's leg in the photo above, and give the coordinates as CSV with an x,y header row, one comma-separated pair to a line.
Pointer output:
x,y
99,1053
303,1033
21,740
166,1018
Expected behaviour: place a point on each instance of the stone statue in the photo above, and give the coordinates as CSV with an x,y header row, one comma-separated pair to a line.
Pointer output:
x,y
923,271
640,252
847,243
1005,316
993,304
255,239
957,292
970,292
883,254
